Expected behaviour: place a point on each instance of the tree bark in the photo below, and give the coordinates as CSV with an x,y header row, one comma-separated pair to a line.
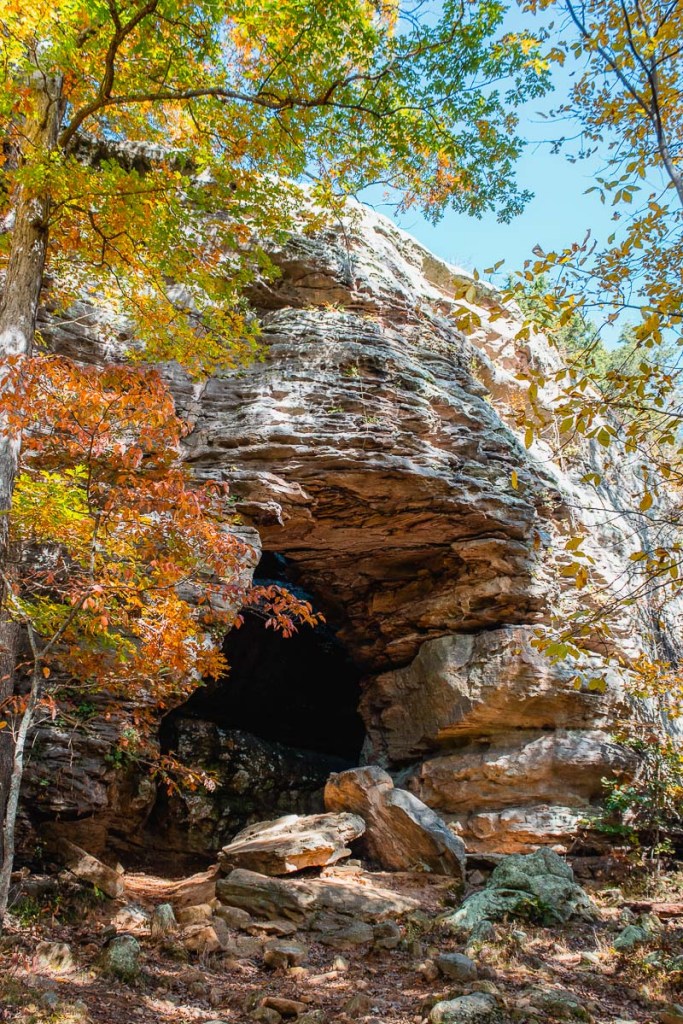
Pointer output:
x,y
13,791
18,312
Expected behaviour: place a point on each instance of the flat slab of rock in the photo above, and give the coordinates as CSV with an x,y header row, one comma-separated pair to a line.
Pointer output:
x,y
292,843
303,901
402,833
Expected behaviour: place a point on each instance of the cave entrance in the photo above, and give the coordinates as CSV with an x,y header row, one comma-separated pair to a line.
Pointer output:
x,y
270,732
301,691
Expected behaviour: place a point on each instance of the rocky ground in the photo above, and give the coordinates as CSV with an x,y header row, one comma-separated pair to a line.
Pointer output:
x,y
72,955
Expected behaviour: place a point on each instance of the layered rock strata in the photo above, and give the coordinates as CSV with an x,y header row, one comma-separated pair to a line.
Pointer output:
x,y
375,449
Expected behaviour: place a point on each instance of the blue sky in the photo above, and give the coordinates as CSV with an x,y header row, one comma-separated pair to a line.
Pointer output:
x,y
559,214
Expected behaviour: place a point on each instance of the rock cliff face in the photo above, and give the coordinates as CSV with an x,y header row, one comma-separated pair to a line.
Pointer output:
x,y
373,450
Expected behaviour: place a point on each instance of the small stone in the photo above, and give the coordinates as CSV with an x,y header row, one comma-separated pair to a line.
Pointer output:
x,y
632,935
276,927
199,938
591,958
49,1000
560,1003
285,1007
456,967
199,989
428,970
54,956
340,964
484,985
471,1009
266,1015
234,917
199,914
388,935
519,936
280,953
476,878
651,924
131,918
312,1017
121,958
358,1005
243,947
342,933
163,922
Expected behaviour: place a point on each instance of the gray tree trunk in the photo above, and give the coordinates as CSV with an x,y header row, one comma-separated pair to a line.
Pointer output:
x,y
18,311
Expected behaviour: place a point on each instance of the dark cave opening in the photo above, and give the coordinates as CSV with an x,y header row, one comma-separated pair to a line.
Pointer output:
x,y
300,691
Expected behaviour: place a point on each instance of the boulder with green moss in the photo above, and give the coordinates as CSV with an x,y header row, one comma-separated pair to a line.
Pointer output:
x,y
537,886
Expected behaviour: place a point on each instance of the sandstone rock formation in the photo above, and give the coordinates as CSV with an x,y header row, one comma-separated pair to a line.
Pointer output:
x,y
342,912
292,843
402,833
371,454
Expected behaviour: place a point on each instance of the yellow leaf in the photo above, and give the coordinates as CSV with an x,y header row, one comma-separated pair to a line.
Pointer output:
x,y
528,437
514,479
646,502
46,672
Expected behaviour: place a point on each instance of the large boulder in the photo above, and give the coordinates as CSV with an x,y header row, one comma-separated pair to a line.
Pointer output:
x,y
502,790
302,901
292,843
539,886
402,833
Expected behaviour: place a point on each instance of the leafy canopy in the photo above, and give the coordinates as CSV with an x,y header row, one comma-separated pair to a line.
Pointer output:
x,y
185,123
627,103
125,572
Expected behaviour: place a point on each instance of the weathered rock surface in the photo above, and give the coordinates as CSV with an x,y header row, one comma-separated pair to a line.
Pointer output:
x,y
539,886
473,1009
527,767
89,869
402,833
121,958
323,904
373,449
256,778
456,967
488,684
292,843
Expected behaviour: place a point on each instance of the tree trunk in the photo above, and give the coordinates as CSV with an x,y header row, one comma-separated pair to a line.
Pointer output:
x,y
14,790
18,311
